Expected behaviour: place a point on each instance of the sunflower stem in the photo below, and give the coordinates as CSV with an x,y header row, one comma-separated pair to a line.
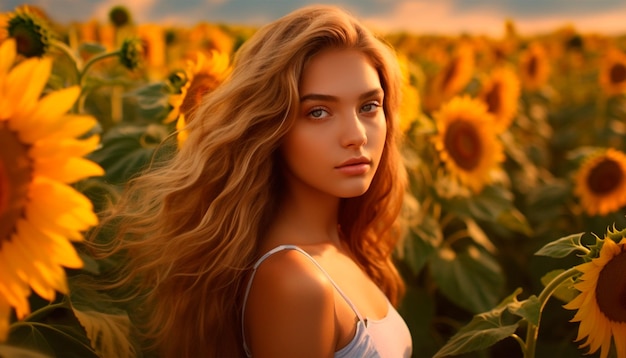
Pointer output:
x,y
78,63
94,60
83,73
521,342
532,330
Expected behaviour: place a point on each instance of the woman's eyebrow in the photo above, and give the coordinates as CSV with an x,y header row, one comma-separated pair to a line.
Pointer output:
x,y
330,98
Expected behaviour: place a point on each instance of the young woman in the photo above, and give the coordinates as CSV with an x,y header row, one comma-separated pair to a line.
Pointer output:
x,y
270,233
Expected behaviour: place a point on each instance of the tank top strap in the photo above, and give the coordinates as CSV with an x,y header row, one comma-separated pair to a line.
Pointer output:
x,y
293,247
263,258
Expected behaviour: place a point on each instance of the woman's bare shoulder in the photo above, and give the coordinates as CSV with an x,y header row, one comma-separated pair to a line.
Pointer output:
x,y
290,308
292,275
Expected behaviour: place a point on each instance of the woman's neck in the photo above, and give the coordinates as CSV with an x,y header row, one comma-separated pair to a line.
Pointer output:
x,y
308,217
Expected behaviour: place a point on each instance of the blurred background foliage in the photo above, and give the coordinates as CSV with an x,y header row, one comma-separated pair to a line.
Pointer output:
x,y
511,143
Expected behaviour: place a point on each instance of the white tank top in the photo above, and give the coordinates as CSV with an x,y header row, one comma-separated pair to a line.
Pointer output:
x,y
388,337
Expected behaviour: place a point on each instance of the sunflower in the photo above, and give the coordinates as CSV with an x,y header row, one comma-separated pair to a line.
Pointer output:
x,y
198,78
410,107
534,67
501,93
601,182
613,72
209,37
153,40
40,214
601,309
454,76
467,141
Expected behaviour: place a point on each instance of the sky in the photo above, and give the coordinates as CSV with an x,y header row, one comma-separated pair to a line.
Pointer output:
x,y
418,16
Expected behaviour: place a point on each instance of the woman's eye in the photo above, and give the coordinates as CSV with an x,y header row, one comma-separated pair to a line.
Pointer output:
x,y
318,113
370,107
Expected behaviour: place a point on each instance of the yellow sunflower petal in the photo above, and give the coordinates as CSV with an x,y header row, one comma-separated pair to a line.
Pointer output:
x,y
52,107
26,264
63,147
73,125
52,245
12,289
619,330
35,73
7,55
67,170
50,276
60,208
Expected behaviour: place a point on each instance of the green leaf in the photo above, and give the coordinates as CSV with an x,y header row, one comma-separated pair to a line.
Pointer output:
x,y
483,331
562,247
421,243
472,278
514,220
52,330
153,101
109,333
546,202
529,309
127,150
479,236
488,205
92,48
565,291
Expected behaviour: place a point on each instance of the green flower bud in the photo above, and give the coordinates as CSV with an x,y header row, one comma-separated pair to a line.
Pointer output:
x,y
132,53
30,31
119,16
177,80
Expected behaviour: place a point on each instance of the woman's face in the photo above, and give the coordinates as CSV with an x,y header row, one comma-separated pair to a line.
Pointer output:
x,y
338,137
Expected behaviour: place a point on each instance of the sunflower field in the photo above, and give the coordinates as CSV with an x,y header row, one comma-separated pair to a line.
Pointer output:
x,y
515,147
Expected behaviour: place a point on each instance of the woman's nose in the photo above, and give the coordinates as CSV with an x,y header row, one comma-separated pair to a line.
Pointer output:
x,y
354,133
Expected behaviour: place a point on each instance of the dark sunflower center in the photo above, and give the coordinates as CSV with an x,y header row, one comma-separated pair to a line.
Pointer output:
x,y
618,73
462,142
493,99
200,85
15,175
605,177
28,41
611,289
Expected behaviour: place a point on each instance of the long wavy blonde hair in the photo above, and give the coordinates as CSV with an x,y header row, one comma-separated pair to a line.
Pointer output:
x,y
189,228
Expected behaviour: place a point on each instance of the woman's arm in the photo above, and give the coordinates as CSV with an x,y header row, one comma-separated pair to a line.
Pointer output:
x,y
290,311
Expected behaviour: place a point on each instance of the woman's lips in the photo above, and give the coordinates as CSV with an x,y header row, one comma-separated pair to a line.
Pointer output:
x,y
354,166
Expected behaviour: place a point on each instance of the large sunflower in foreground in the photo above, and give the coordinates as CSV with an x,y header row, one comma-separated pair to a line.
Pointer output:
x,y
601,182
601,304
40,214
467,141
534,67
613,72
500,92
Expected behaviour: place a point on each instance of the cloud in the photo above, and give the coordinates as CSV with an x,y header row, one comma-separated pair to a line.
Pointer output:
x,y
443,17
